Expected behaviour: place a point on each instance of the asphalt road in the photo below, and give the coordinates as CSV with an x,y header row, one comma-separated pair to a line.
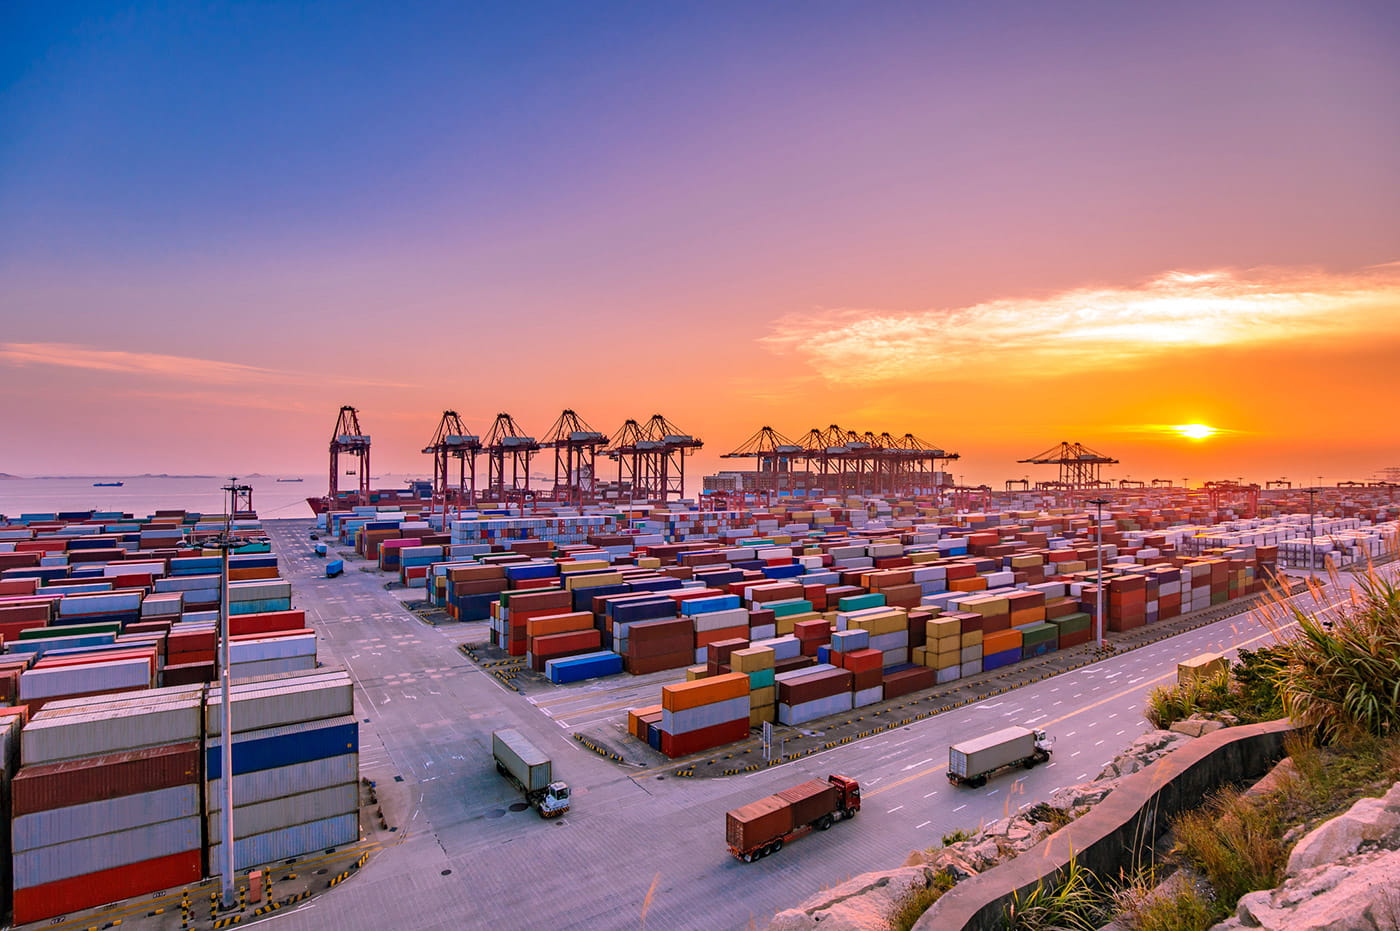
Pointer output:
x,y
638,848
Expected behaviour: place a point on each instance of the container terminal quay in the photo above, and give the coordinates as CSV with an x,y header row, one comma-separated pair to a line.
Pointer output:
x,y
466,707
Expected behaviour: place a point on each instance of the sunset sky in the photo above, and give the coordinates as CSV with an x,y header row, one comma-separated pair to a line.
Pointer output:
x,y
993,225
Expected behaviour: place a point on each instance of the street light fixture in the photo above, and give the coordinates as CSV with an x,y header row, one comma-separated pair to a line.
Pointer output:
x,y
225,542
1098,586
1312,547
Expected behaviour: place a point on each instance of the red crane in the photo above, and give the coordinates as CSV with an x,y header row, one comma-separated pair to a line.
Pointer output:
x,y
452,441
348,438
575,446
508,443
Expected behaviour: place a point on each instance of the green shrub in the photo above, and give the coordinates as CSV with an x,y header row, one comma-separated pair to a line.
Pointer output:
x,y
1342,673
955,837
1076,902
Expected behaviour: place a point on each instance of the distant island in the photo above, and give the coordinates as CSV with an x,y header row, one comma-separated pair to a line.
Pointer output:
x,y
5,475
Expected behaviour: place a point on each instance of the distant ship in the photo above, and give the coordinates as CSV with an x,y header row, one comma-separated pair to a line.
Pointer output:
x,y
289,480
108,484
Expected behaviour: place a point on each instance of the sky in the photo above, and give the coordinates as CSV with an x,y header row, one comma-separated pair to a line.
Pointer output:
x,y
995,226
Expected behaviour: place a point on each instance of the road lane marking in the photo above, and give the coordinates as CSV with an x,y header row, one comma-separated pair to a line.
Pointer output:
x,y
894,809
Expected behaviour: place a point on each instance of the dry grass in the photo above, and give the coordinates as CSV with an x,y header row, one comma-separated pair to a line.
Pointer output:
x,y
1180,906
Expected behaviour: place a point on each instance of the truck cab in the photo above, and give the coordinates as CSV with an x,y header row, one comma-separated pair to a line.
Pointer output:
x,y
849,799
555,800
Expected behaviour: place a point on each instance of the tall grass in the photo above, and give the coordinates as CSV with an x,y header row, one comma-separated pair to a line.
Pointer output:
x,y
1237,843
1076,902
1341,672
912,907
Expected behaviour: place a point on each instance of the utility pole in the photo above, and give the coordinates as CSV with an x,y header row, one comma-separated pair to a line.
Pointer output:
x,y
1312,493
1098,586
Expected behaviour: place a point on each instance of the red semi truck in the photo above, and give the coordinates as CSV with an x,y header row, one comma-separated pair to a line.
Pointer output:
x,y
762,827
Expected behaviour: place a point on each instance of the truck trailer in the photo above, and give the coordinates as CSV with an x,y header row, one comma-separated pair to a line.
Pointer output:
x,y
762,827
529,770
972,761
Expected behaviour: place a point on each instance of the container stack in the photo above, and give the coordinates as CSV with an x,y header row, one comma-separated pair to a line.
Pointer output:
x,y
815,692
296,768
704,714
107,804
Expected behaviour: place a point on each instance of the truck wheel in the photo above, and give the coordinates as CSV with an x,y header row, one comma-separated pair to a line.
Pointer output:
x,y
977,782
776,846
824,822
1029,762
849,813
499,768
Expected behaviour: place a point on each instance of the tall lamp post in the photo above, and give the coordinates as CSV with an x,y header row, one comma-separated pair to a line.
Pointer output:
x,y
1312,493
1098,585
224,543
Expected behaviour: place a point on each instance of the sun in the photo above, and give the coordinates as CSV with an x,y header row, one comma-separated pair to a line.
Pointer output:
x,y
1195,431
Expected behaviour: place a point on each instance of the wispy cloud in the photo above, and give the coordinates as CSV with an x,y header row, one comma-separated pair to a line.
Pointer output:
x,y
151,364
1092,328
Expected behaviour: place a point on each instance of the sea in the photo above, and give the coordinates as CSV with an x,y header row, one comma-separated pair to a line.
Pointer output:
x,y
142,495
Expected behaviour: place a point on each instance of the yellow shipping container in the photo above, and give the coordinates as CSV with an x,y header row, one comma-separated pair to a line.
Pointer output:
x,y
768,695
917,656
971,639
751,659
947,660
582,565
693,673
762,713
941,627
648,562
947,644
587,581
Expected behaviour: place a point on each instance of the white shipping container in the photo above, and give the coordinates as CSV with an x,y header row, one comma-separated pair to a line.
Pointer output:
x,y
266,784
105,851
74,736
702,716
247,651
287,811
307,697
61,825
718,620
91,677
316,836
271,667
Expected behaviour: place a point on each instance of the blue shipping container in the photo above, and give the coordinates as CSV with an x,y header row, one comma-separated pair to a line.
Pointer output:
x,y
268,752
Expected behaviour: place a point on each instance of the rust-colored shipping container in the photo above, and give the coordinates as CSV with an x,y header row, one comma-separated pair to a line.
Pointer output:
x,y
642,665
706,738
266,622
74,782
810,800
758,823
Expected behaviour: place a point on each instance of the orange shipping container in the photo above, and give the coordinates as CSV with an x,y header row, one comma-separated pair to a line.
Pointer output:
x,y
684,695
558,623
998,640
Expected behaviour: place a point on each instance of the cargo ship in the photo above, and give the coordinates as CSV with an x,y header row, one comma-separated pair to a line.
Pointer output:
x,y
289,480
413,493
108,484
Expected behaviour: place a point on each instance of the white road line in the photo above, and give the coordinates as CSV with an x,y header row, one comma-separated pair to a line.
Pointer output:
x,y
959,808
924,825
894,809
931,794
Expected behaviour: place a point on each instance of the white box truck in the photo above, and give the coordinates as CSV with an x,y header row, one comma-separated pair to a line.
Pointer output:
x,y
972,761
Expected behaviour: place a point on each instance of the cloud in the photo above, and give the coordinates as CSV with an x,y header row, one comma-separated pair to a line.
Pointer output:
x,y
1085,329
182,368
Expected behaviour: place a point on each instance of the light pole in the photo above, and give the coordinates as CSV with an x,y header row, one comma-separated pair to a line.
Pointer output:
x,y
1098,586
1312,493
223,543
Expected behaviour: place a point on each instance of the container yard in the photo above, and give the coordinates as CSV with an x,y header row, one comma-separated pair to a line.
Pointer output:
x,y
112,731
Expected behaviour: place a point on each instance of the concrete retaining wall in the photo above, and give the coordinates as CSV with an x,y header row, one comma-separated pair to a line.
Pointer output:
x,y
1117,833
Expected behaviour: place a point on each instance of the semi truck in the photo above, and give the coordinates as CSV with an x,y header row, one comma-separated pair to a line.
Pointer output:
x,y
763,827
972,761
530,771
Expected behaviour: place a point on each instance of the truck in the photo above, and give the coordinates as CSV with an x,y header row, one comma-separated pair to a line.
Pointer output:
x,y
972,761
528,768
334,568
761,828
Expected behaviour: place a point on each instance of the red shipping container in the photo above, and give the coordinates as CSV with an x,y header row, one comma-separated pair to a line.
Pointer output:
x,y
816,629
641,665
266,621
867,679
80,892
862,660
703,638
706,738
182,641
551,645
75,782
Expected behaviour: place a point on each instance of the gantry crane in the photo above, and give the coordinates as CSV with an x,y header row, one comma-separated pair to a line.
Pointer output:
x,y
773,455
622,449
1233,495
1079,466
507,442
907,457
663,450
575,446
452,441
350,440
